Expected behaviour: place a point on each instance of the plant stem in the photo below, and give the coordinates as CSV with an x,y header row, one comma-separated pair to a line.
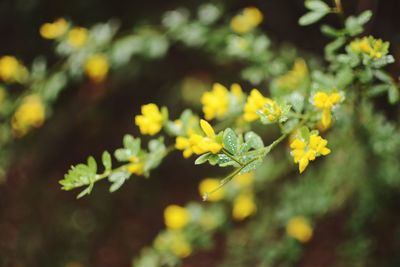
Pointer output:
x,y
231,157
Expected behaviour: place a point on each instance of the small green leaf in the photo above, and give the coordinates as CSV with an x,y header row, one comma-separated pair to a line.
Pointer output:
x,y
106,159
311,17
330,31
317,5
91,163
230,141
85,192
202,159
251,166
393,94
122,154
253,140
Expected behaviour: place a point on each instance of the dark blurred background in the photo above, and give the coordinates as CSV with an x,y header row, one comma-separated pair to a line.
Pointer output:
x,y
40,225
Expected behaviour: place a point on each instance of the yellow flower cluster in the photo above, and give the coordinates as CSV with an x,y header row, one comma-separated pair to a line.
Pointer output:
x,y
135,166
96,67
176,217
293,79
326,102
30,113
175,242
54,30
299,228
209,184
375,48
77,37
11,70
216,102
256,102
305,151
243,206
199,144
247,20
151,120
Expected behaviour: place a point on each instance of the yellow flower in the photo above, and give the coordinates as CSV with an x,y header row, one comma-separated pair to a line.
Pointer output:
x,y
96,67
151,120
244,180
304,152
209,184
216,102
375,48
30,113
173,241
257,102
299,228
176,217
54,30
292,79
183,143
11,70
247,20
199,144
326,102
77,37
243,206
135,166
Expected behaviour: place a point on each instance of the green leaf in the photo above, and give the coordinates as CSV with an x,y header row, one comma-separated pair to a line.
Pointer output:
x,y
332,47
92,165
118,180
85,192
132,144
202,159
379,63
230,141
106,159
317,5
393,94
251,166
311,17
364,17
122,154
253,140
332,32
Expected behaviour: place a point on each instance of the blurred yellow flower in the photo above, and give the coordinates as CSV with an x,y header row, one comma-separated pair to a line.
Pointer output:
x,y
244,180
209,184
257,102
247,20
216,102
375,48
299,228
54,30
303,152
135,166
293,78
77,37
96,67
176,217
30,113
326,102
12,70
243,206
174,241
151,120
